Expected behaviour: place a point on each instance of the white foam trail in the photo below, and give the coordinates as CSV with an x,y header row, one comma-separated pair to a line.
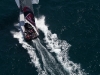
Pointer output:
x,y
60,47
49,63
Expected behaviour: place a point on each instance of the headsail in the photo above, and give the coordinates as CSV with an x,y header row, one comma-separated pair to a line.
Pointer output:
x,y
17,2
35,1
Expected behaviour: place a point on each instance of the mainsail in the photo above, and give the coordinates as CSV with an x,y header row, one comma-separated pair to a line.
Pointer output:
x,y
26,1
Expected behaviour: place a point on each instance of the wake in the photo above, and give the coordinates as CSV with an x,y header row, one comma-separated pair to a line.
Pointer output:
x,y
59,47
49,63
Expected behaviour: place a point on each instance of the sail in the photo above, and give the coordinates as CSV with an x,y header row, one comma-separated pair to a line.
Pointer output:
x,y
33,2
17,2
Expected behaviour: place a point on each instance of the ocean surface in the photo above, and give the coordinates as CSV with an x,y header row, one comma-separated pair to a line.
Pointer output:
x,y
77,22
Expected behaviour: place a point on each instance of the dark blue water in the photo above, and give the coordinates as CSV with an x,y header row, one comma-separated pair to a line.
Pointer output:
x,y
77,22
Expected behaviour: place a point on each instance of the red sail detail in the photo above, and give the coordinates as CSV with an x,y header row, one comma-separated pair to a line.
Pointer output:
x,y
30,18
